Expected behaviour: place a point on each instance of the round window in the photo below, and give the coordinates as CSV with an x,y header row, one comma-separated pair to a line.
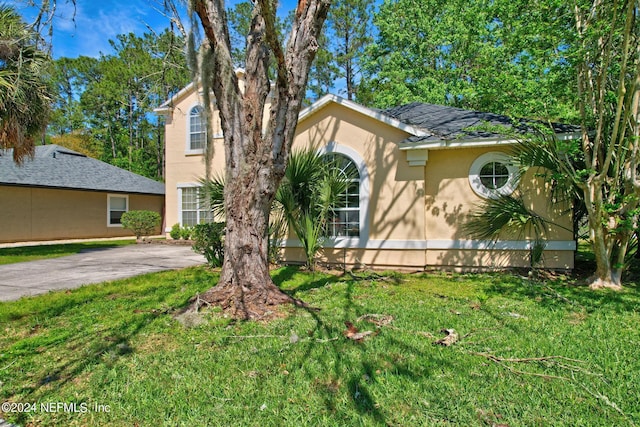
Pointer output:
x,y
492,175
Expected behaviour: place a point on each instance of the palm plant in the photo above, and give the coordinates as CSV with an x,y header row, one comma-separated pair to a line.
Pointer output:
x,y
24,94
309,192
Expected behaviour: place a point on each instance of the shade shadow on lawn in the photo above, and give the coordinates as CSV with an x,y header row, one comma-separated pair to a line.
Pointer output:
x,y
67,334
348,375
567,294
120,343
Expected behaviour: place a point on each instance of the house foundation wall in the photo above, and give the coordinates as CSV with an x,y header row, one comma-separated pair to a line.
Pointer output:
x,y
420,260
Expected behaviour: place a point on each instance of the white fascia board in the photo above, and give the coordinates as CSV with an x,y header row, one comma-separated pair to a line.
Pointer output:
x,y
474,143
377,115
457,143
167,105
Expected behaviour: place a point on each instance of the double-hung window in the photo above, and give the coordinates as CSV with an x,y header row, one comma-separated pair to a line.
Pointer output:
x,y
194,209
116,206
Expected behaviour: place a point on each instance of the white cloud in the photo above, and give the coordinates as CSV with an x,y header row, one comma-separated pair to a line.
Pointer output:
x,y
96,23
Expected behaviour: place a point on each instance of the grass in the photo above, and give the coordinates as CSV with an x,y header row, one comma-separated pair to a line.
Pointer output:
x,y
33,253
120,345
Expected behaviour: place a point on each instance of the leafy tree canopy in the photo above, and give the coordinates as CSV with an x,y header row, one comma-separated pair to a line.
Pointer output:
x,y
501,56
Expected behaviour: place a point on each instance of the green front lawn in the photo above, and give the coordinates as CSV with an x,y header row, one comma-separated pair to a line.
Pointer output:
x,y
529,354
33,253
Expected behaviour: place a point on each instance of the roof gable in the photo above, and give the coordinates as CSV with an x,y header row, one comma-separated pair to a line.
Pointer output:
x,y
381,116
54,166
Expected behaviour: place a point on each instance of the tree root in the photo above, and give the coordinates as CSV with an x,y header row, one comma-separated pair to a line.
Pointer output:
x,y
245,304
597,283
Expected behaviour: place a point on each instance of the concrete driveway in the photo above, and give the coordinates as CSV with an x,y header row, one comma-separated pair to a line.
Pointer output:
x,y
92,266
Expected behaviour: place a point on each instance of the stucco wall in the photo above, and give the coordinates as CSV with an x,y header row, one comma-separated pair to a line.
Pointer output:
x,y
29,214
395,205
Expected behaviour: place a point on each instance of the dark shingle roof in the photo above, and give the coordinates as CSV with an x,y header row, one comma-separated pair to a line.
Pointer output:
x,y
58,167
447,123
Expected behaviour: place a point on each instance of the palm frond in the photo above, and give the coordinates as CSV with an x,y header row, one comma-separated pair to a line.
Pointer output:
x,y
212,194
505,213
25,98
550,159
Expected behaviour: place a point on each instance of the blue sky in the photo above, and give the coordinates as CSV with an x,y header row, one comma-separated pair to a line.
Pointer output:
x,y
96,22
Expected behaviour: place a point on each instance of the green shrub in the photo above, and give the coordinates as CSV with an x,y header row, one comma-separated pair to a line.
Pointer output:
x,y
185,232
142,223
209,241
175,232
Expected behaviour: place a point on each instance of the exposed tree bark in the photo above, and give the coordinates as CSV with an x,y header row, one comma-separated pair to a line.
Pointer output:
x,y
255,160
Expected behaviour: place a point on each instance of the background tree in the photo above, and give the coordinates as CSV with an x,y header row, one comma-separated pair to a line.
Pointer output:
x,y
323,72
349,31
70,77
239,24
256,153
501,56
337,67
106,103
24,93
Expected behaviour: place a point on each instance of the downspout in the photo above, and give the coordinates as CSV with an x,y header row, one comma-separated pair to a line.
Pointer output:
x,y
425,234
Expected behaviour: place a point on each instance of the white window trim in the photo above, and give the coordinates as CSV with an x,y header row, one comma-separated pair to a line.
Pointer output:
x,y
474,175
109,197
334,147
180,187
187,147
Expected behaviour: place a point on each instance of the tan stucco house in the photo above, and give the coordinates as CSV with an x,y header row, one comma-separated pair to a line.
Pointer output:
x,y
62,194
421,171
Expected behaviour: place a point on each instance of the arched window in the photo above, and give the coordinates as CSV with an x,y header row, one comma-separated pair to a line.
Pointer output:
x,y
344,219
197,128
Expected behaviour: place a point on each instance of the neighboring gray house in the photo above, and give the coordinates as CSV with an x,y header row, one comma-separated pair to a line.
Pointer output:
x,y
62,194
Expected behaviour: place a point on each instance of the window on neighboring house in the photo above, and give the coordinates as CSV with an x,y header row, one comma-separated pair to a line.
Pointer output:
x,y
345,219
492,175
197,128
194,209
116,206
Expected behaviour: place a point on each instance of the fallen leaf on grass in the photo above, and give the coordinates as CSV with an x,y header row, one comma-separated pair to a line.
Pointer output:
x,y
353,334
450,339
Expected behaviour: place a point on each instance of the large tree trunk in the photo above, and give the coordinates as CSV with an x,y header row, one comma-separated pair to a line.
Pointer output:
x,y
256,155
245,287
